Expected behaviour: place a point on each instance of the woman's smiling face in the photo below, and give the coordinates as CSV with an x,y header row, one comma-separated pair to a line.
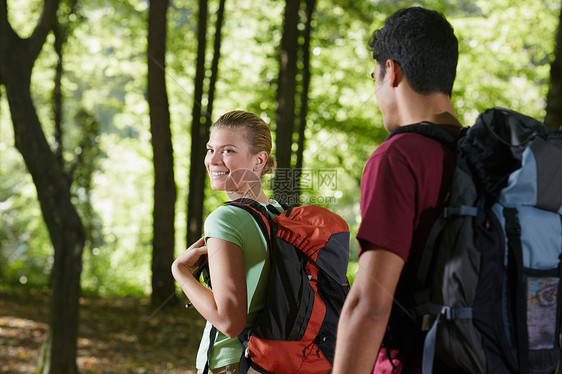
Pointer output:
x,y
227,150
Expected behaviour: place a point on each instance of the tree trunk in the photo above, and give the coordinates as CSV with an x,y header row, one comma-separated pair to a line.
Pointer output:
x,y
17,57
553,117
214,65
81,170
163,241
58,31
303,110
197,173
285,115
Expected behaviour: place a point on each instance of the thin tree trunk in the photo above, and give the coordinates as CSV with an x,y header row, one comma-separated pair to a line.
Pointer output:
x,y
17,57
197,182
81,170
285,115
163,241
197,174
303,110
60,31
57,92
553,117
214,65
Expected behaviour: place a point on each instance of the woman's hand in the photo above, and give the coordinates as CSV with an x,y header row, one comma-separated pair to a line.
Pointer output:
x,y
225,306
188,261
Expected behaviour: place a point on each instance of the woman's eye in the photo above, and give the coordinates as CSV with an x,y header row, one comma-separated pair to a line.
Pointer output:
x,y
209,150
228,151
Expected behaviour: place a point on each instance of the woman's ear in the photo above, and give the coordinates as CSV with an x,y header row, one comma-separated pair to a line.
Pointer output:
x,y
260,160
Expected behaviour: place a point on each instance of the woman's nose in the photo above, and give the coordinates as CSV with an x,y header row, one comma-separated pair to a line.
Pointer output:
x,y
215,158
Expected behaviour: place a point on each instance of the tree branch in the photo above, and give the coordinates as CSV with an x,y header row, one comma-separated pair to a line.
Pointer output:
x,y
5,27
44,26
7,37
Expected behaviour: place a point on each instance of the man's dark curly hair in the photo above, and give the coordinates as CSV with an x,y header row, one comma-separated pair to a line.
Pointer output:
x,y
423,43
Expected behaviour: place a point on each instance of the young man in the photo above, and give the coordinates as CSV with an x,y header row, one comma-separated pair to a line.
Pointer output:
x,y
404,180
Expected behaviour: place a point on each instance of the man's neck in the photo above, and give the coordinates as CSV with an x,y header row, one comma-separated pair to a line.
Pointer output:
x,y
444,118
436,108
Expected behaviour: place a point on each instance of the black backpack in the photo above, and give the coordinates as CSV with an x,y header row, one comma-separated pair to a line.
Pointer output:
x,y
487,295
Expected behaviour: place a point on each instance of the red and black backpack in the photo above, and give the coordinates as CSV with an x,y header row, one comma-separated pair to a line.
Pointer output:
x,y
309,253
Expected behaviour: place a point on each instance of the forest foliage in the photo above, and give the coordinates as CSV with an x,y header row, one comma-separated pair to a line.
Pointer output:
x,y
506,48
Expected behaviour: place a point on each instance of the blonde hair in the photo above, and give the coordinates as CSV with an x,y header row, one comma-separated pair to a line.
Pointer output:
x,y
258,133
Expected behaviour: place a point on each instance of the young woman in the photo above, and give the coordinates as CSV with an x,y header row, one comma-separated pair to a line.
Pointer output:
x,y
238,155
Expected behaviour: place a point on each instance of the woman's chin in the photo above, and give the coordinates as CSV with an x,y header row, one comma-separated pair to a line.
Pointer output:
x,y
217,187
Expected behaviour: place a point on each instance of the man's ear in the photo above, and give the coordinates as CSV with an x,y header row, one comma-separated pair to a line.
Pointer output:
x,y
393,72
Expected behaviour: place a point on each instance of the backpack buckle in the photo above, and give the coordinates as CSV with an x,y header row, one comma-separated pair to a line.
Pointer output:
x,y
448,313
427,322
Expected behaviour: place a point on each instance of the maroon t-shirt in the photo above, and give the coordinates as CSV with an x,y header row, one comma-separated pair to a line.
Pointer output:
x,y
403,183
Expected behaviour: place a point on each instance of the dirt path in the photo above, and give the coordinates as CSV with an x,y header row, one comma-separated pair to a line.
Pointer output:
x,y
116,335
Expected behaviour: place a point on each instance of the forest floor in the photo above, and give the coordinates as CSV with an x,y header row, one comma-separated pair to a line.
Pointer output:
x,y
116,335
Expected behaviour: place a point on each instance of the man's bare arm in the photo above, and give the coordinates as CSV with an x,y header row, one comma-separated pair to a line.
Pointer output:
x,y
366,311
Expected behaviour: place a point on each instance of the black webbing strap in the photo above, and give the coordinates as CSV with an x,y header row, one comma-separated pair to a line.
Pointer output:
x,y
513,232
265,222
212,337
559,308
261,216
429,249
274,210
429,129
436,229
438,133
245,360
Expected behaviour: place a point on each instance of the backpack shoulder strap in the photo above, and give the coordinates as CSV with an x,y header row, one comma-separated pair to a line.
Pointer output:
x,y
265,222
212,338
429,129
273,209
260,214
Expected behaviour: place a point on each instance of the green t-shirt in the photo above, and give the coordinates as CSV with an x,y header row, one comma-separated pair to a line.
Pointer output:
x,y
239,227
